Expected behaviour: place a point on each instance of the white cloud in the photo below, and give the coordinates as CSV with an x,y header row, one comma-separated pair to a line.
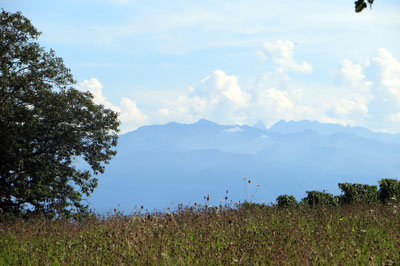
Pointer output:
x,y
275,101
348,110
352,106
374,93
353,74
281,53
130,115
96,88
184,109
385,70
218,97
369,96
234,129
221,87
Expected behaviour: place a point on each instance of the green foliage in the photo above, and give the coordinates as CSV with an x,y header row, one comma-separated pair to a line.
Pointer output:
x,y
45,125
358,193
286,201
315,198
347,235
389,190
360,5
251,206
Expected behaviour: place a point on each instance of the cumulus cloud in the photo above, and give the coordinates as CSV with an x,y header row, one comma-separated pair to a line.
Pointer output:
x,y
348,110
373,93
353,106
384,70
368,94
218,97
130,115
281,53
353,74
275,100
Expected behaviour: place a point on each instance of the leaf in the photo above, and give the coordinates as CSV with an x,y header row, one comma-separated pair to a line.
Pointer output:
x,y
360,5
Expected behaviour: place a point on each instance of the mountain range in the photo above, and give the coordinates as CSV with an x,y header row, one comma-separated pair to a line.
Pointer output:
x,y
161,166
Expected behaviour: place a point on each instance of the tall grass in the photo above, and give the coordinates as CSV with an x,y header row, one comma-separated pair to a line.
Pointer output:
x,y
251,234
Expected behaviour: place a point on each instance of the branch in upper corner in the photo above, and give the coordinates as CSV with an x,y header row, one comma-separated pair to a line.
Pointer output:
x,y
361,4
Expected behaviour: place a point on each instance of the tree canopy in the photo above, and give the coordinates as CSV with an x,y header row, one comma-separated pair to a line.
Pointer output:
x,y
45,126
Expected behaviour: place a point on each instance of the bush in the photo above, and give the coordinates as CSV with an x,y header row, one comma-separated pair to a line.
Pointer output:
x,y
251,206
358,193
286,201
389,190
315,198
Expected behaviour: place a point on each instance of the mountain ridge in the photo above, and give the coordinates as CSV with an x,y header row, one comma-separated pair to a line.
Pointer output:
x,y
159,165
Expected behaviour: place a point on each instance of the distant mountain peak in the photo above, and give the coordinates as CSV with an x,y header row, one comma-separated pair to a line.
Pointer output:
x,y
260,125
290,127
204,121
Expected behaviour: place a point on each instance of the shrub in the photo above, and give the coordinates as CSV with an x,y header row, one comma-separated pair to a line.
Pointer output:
x,y
389,189
315,198
286,201
358,193
251,206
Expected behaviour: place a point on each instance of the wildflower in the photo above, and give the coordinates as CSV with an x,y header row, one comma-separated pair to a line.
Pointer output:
x,y
340,219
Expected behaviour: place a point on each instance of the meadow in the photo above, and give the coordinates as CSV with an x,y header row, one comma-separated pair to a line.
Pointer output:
x,y
243,234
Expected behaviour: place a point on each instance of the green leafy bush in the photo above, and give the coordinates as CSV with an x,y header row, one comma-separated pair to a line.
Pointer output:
x,y
358,193
251,206
389,190
286,201
315,198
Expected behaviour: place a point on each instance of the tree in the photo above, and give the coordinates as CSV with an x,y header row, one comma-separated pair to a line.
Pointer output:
x,y
45,126
358,193
286,201
360,5
389,190
317,198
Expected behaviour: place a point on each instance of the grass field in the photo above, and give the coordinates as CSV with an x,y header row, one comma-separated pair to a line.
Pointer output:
x,y
251,234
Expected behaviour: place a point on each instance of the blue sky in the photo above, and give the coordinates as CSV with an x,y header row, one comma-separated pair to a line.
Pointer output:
x,y
229,61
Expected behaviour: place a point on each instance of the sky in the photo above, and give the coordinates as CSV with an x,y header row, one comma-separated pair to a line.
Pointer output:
x,y
229,61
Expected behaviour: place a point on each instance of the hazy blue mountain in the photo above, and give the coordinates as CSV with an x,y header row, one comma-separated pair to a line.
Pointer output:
x,y
260,125
160,166
285,127
186,137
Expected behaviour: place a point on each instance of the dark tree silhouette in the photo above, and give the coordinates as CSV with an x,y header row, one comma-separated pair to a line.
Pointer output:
x,y
45,125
